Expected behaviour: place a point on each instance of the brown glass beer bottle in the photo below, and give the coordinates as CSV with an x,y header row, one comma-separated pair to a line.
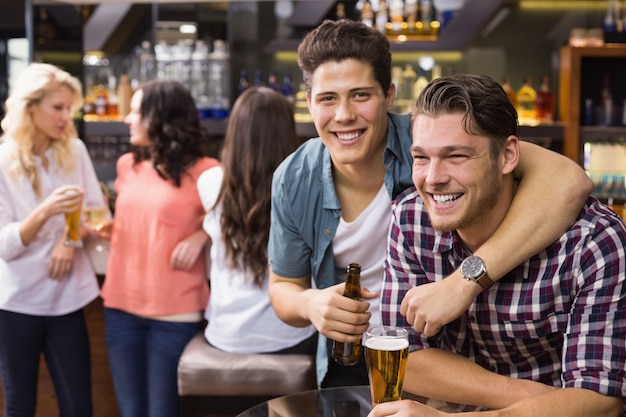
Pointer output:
x,y
349,353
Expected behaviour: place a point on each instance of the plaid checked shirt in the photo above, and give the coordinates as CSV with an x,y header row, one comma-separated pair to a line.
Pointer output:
x,y
559,318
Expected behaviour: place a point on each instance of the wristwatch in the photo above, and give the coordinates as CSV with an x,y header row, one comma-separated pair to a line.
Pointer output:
x,y
473,269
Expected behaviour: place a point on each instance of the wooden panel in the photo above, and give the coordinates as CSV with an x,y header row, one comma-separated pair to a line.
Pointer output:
x,y
570,79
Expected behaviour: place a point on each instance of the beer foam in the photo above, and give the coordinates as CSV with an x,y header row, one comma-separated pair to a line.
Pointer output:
x,y
379,343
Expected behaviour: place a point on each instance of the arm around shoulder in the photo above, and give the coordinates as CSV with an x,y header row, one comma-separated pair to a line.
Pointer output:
x,y
551,193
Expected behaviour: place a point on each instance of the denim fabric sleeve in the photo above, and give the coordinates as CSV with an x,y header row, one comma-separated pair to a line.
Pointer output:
x,y
288,253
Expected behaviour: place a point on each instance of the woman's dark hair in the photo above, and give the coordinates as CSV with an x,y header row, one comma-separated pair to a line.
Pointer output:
x,y
176,136
485,106
261,132
345,39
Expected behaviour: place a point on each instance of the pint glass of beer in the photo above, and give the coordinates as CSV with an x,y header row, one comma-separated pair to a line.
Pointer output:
x,y
72,226
386,356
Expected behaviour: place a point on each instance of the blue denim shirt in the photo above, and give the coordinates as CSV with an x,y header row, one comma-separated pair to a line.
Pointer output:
x,y
306,210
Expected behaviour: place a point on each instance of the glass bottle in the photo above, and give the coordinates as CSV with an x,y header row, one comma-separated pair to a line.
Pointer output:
x,y
124,93
405,96
147,63
367,14
526,97
349,353
544,103
411,15
219,93
287,88
420,83
272,82
382,16
396,15
607,102
242,85
506,86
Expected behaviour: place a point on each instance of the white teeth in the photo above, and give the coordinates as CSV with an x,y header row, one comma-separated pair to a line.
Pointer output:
x,y
445,198
348,136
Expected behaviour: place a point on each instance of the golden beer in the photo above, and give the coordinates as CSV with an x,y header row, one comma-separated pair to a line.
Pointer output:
x,y
72,229
386,358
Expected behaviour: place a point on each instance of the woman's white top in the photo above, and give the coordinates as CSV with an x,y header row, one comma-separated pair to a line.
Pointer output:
x,y
239,313
25,286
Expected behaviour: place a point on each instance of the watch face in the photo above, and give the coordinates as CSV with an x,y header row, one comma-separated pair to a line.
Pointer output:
x,y
472,267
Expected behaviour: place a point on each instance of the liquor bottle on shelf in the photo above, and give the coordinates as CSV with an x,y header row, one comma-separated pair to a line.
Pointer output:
x,y
340,11
112,100
218,86
544,104
526,97
420,83
258,78
349,353
242,85
287,88
607,102
124,94
367,14
100,103
506,86
147,63
382,16
396,15
411,7
426,16
405,96
272,82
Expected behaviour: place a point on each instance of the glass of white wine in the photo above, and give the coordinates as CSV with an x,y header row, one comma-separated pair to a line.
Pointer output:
x,y
97,216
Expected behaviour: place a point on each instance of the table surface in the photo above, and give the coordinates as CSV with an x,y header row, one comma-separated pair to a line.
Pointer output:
x,y
327,402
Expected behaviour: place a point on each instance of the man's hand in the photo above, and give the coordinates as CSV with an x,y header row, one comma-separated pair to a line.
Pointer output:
x,y
337,317
429,307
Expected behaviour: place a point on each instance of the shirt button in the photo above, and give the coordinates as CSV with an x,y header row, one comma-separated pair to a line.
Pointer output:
x,y
473,319
327,232
540,332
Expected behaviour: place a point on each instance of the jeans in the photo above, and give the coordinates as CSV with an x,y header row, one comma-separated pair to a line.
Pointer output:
x,y
65,346
143,358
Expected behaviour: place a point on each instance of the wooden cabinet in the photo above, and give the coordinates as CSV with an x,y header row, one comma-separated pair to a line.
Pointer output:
x,y
583,72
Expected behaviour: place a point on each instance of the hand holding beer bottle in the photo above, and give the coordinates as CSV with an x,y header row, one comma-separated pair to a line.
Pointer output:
x,y
349,353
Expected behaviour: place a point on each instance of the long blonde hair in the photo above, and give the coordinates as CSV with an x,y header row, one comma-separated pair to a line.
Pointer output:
x,y
35,82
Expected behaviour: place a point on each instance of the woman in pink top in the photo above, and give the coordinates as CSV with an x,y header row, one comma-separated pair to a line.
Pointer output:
x,y
155,287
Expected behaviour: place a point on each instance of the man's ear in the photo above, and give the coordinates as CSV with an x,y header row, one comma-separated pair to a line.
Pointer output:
x,y
510,154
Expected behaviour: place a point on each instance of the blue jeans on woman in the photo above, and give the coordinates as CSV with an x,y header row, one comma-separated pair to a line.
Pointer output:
x,y
143,358
64,342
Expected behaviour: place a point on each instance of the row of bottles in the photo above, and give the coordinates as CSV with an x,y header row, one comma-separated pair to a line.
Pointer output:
x,y
614,18
286,87
602,110
409,84
398,17
107,97
533,107
202,68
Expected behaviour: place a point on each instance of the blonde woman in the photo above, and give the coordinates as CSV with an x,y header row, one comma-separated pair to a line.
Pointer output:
x,y
45,284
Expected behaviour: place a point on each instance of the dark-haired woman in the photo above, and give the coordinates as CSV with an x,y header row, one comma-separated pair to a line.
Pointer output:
x,y
155,287
261,133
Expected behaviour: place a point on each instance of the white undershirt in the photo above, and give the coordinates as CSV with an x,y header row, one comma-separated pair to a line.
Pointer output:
x,y
364,241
